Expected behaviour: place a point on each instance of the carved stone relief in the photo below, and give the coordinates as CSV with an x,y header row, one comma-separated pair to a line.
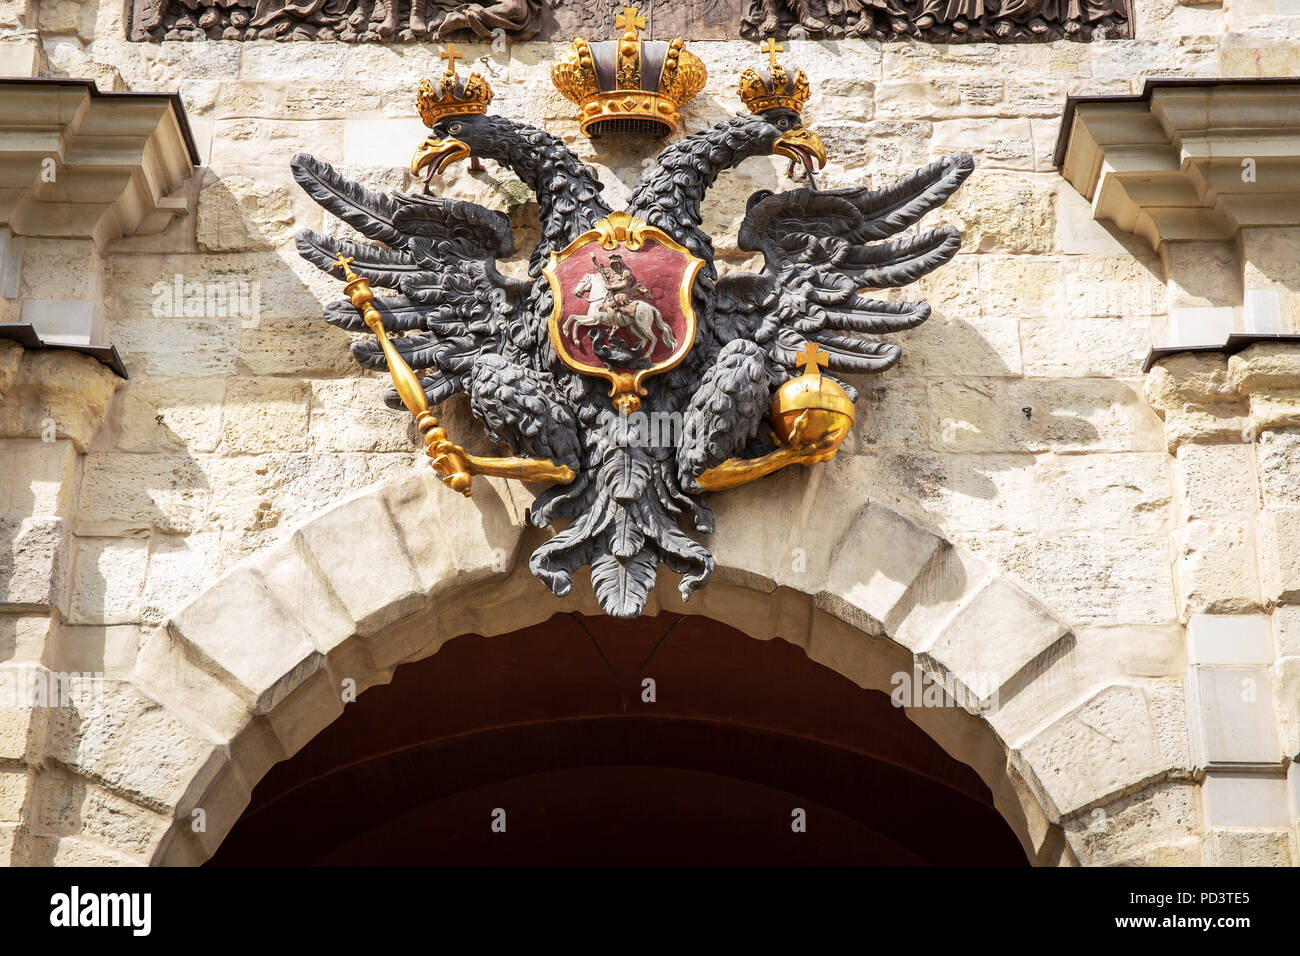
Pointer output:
x,y
938,21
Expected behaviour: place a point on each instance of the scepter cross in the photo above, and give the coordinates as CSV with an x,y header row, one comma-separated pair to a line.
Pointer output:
x,y
451,55
771,48
343,263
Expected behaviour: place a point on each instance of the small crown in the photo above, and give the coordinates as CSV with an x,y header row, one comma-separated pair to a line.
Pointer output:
x,y
766,89
452,95
629,85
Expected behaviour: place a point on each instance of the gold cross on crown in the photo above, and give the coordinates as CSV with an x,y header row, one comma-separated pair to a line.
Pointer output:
x,y
629,21
451,55
810,357
771,48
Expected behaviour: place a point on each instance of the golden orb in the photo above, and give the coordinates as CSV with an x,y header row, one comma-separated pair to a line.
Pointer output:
x,y
823,403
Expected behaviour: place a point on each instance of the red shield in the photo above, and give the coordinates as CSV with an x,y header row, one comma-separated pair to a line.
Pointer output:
x,y
622,294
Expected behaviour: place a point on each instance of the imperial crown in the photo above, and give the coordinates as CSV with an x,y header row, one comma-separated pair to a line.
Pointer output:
x,y
452,95
766,89
629,85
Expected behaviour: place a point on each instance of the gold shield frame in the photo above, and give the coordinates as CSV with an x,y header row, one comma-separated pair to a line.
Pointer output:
x,y
617,228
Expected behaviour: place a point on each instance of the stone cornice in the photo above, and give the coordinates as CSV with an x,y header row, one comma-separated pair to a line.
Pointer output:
x,y
1171,164
118,160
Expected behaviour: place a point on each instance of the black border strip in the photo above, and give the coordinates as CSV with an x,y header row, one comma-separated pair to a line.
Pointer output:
x,y
25,335
1151,85
1236,342
178,106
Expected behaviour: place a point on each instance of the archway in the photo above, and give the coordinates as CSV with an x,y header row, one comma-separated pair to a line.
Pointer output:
x,y
733,752
252,669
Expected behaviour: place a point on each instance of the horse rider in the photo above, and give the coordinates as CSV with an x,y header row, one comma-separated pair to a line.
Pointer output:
x,y
622,290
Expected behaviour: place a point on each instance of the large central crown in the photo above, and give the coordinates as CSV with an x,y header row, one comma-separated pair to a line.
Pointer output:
x,y
767,89
629,85
452,95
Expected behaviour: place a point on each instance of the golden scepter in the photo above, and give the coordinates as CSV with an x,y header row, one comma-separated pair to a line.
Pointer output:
x,y
446,459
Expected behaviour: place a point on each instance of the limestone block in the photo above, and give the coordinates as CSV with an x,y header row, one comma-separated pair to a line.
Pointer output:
x,y
1020,286
126,741
1128,491
294,62
170,414
1216,566
262,414
122,493
1161,815
1279,551
1234,847
1089,576
1286,630
1207,424
94,649
165,673
1114,287
1190,379
273,142
107,580
1056,347
1246,800
1231,717
20,55
1279,467
14,785
370,572
875,560
23,636
263,98
965,344
33,563
942,587
991,639
57,394
349,415
304,345
452,541
240,633
1083,414
1004,143
170,63
918,99
889,416
999,212
179,568
177,347
237,213
38,477
969,416
1106,746
1216,480
291,575
1079,666
1229,639
1265,367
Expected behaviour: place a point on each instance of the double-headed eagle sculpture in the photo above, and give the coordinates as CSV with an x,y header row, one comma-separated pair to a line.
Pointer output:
x,y
559,367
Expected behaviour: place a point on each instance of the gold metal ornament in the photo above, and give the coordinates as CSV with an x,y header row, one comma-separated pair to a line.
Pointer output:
x,y
453,464
811,414
629,84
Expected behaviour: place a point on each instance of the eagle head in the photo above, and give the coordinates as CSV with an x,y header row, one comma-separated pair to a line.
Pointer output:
x,y
791,139
454,138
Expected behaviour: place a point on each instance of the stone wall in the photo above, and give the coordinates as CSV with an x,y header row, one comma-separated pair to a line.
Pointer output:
x,y
1019,430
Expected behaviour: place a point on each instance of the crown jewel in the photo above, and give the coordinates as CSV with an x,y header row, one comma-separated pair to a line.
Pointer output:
x,y
451,94
629,85
766,89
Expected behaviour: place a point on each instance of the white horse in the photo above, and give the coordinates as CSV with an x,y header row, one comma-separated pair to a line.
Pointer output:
x,y
643,322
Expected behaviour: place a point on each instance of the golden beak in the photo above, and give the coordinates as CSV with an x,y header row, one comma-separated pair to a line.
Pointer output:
x,y
439,152
803,146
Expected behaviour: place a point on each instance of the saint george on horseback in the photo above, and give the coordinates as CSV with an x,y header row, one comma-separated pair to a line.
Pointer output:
x,y
618,301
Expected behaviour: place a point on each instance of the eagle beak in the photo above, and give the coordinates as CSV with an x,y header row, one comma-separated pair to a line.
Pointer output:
x,y
803,146
437,154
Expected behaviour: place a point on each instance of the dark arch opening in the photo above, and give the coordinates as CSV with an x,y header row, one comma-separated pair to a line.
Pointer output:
x,y
740,736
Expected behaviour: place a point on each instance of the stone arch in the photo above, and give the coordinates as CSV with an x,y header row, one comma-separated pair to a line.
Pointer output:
x,y
251,669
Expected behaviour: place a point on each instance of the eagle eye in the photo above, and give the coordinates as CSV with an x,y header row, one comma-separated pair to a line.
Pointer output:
x,y
454,128
783,123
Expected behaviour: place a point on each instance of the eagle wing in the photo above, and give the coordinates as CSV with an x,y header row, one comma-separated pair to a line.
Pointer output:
x,y
440,256
820,248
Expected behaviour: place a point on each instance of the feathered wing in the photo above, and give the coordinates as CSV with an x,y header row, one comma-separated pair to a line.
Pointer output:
x,y
440,256
820,249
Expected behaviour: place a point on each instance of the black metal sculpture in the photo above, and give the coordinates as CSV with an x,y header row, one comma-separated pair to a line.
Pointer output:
x,y
502,341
